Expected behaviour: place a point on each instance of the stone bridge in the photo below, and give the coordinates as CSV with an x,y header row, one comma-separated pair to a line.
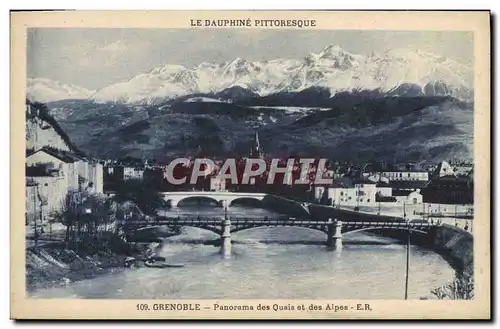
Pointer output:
x,y
220,197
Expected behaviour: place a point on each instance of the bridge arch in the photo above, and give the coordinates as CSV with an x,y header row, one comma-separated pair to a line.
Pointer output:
x,y
214,229
204,200
207,227
243,227
382,228
246,201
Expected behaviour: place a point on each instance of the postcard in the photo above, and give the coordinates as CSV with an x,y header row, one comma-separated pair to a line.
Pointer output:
x,y
250,165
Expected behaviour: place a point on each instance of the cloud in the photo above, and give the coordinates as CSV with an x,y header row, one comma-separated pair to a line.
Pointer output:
x,y
87,54
116,47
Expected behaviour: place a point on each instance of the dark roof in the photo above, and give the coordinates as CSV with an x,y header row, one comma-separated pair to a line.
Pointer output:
x,y
383,166
383,184
337,184
363,181
409,184
401,192
406,170
64,156
450,180
343,182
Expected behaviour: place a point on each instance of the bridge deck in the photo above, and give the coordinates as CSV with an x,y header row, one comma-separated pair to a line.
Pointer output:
x,y
274,222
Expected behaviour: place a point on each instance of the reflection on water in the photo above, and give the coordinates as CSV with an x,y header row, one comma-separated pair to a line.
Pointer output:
x,y
211,211
368,267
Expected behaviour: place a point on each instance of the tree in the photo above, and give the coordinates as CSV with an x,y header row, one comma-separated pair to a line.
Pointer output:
x,y
68,215
461,288
83,214
143,193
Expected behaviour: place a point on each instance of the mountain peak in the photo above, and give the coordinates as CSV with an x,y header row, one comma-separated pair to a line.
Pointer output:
x,y
167,69
408,54
332,68
237,61
47,90
333,51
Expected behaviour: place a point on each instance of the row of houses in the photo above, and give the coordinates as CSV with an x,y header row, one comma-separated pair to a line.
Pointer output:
x,y
364,193
54,166
444,186
400,185
52,173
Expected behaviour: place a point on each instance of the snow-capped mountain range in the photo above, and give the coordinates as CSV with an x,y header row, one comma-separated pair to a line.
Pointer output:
x,y
46,90
398,71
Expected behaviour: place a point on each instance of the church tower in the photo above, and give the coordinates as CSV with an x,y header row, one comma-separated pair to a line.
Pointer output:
x,y
256,151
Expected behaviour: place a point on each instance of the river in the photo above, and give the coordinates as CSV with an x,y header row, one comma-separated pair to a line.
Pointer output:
x,y
271,263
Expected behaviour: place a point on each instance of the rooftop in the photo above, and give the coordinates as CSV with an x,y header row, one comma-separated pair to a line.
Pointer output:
x,y
364,181
409,184
401,192
64,156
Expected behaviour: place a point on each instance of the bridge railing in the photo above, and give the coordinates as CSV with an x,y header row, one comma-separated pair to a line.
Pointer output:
x,y
270,222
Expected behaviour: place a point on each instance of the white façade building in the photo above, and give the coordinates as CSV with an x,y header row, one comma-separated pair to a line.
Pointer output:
x,y
55,163
384,189
217,184
51,174
395,172
408,197
414,175
360,193
133,173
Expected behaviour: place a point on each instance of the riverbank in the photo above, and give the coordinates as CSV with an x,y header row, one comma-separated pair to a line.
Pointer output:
x,y
456,245
55,265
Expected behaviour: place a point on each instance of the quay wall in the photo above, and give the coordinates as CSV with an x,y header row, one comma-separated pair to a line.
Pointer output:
x,y
455,244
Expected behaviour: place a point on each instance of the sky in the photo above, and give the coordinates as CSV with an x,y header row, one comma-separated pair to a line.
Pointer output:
x,y
95,58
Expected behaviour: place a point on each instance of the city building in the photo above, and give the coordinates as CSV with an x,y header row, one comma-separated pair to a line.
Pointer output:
x,y
395,172
217,184
52,173
112,176
462,169
408,197
44,195
442,170
133,173
359,193
450,190
409,185
383,189
448,187
416,175
55,163
96,177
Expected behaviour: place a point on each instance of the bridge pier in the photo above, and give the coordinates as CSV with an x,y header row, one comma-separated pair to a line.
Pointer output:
x,y
334,239
173,203
225,247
